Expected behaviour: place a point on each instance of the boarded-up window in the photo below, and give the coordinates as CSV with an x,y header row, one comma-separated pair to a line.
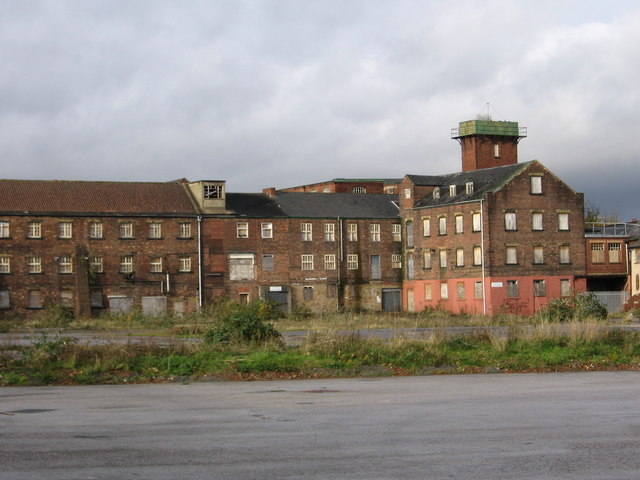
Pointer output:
x,y
597,252
475,222
444,291
241,266
460,257
614,252
477,289
510,221
120,304
426,227
154,306
536,185
34,299
267,261
442,225
443,259
66,297
376,268
538,255
460,290
96,299
539,288
477,255
426,258
307,293
513,291
565,287
409,233
564,254
536,221
459,224
427,291
410,272
563,221
512,256
5,299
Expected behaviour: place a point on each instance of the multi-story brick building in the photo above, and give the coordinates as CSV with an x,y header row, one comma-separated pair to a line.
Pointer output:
x,y
499,234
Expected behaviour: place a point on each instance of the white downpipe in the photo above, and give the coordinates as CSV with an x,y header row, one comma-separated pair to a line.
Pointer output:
x,y
199,261
484,287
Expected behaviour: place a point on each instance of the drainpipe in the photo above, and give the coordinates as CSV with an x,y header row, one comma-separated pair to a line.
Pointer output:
x,y
484,288
339,265
200,261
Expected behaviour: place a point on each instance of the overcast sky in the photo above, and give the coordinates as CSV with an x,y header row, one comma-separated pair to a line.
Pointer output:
x,y
283,92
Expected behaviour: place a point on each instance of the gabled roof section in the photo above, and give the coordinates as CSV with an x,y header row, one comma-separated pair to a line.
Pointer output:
x,y
94,198
484,180
344,205
254,205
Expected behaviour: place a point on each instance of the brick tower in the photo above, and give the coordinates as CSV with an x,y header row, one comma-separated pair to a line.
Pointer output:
x,y
486,143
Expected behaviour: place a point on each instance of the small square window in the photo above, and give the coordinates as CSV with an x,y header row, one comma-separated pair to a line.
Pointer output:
x,y
95,230
374,230
65,264
65,230
330,261
242,230
34,264
539,288
185,263
513,291
34,230
126,230
96,264
307,294
184,230
307,262
155,230
329,232
266,229
352,261
126,264
396,260
4,229
155,265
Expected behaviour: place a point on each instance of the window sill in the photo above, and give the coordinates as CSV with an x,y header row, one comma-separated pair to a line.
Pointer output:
x,y
155,238
126,238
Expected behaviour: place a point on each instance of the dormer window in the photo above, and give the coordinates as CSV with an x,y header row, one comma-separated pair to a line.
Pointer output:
x,y
212,191
452,190
436,193
469,188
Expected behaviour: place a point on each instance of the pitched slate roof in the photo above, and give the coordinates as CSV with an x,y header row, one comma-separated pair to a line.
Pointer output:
x,y
333,205
254,205
484,180
88,198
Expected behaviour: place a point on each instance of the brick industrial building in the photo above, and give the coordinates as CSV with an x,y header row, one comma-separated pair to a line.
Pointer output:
x,y
499,234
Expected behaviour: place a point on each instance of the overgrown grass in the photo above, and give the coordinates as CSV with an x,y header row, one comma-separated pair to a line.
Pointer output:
x,y
577,346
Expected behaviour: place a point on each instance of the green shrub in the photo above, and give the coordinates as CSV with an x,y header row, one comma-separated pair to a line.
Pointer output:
x,y
582,306
245,324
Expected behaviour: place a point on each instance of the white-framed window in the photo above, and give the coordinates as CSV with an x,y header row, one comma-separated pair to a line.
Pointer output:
x,y
126,264
615,250
266,230
352,261
426,259
65,230
396,260
496,150
512,256
510,221
476,225
536,185
477,255
459,257
513,289
4,229
396,232
460,293
306,231
268,262
536,221
442,226
538,255
329,232
155,230
184,230
65,264
34,264
329,261
452,190
444,290
359,190
443,258
306,262
597,252
468,188
374,230
459,224
5,264
96,264
155,265
95,230
426,227
410,267
563,221
34,230
428,295
407,193
564,254
242,230
539,288
477,289
212,191
126,230
565,287
352,232
184,264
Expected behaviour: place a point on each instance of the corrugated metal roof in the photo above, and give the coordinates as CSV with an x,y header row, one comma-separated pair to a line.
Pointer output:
x,y
83,197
